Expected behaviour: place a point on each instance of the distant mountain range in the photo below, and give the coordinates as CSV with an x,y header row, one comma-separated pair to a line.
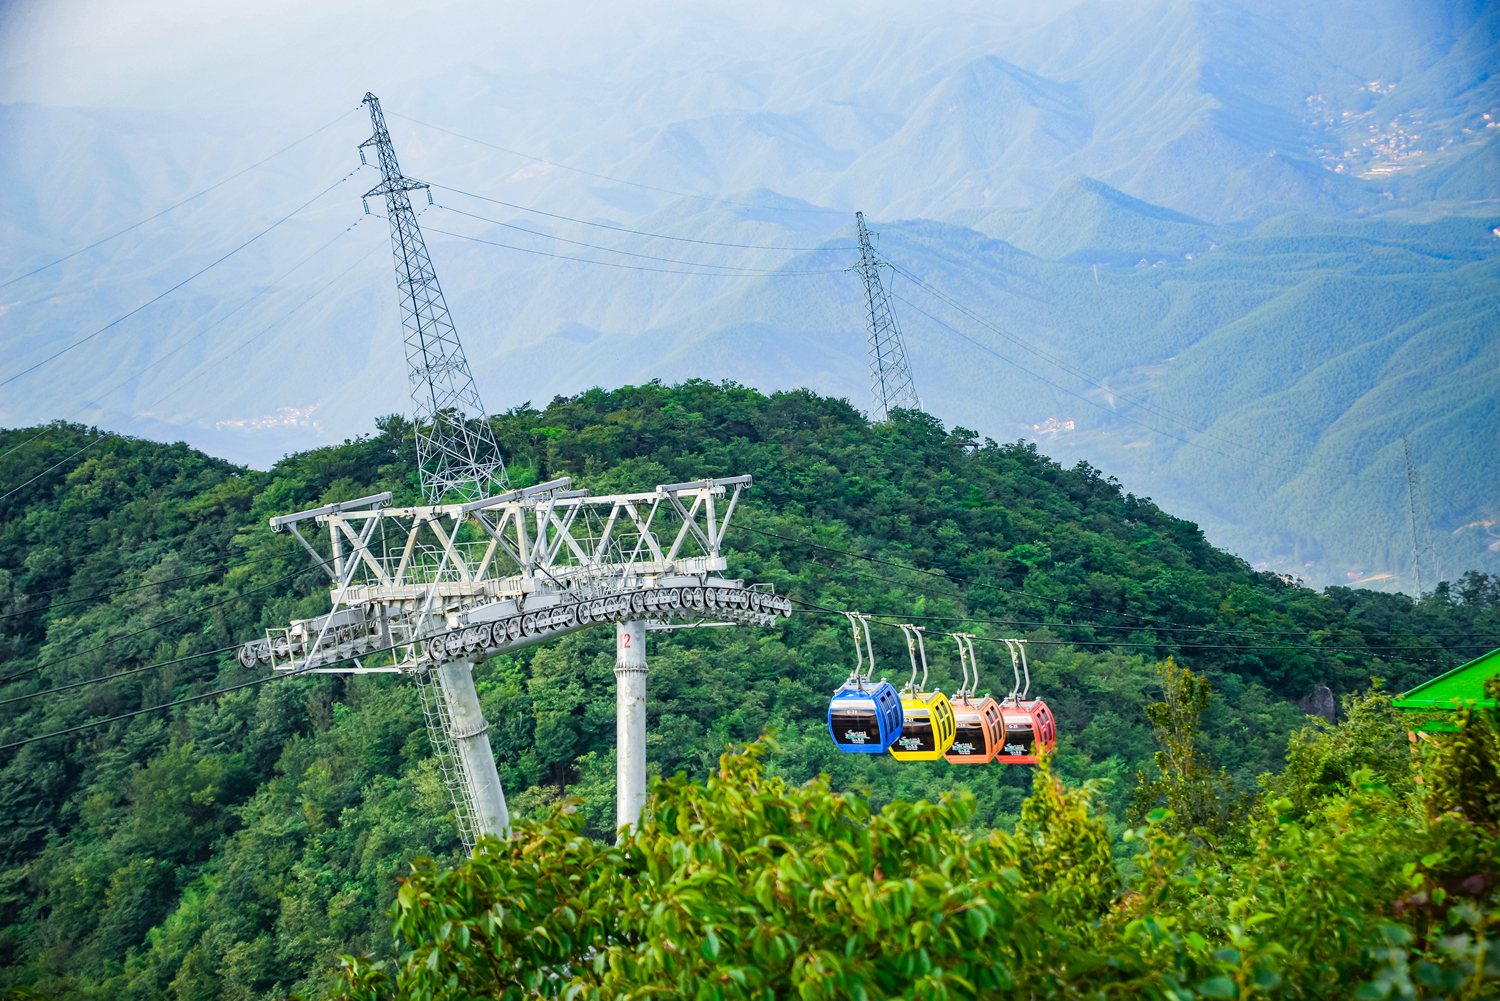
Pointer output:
x,y
1244,248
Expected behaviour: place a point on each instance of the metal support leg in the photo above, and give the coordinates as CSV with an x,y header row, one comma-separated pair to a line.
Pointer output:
x,y
630,723
471,743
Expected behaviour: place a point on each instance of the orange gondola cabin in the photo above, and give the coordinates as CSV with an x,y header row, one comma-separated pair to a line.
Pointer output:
x,y
979,729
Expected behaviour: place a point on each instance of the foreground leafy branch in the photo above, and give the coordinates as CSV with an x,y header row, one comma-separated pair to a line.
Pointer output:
x,y
745,886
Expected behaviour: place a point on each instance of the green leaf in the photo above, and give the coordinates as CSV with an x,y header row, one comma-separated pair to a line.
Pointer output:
x,y
709,946
1396,935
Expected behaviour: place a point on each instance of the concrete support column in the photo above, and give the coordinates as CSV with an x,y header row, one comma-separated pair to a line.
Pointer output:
x,y
471,742
630,722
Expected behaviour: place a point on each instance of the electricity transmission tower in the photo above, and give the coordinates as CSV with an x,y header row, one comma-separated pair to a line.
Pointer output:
x,y
891,384
456,451
436,588
1419,527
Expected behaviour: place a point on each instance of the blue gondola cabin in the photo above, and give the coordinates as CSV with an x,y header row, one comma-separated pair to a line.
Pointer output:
x,y
865,720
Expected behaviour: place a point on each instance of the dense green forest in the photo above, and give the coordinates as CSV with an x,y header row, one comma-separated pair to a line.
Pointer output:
x,y
237,846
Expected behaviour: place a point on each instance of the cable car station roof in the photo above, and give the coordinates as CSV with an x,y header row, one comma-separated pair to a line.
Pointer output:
x,y
1463,684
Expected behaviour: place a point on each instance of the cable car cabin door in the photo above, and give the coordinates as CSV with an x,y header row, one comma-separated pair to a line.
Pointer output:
x,y
928,730
978,734
865,721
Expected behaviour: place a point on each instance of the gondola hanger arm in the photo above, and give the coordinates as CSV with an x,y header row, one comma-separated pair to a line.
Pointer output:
x,y
1026,694
1016,670
922,649
909,631
859,657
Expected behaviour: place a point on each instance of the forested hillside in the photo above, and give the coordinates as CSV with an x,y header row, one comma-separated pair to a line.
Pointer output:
x,y
235,846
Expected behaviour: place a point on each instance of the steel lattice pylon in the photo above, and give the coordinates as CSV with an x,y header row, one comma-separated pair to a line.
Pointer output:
x,y
891,384
456,450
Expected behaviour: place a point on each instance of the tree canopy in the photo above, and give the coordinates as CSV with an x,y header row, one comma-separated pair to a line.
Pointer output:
x,y
238,845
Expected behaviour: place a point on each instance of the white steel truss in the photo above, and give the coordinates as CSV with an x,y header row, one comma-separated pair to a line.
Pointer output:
x,y
428,588
526,565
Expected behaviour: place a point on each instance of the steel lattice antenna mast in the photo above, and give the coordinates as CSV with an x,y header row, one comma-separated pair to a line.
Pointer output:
x,y
456,450
890,370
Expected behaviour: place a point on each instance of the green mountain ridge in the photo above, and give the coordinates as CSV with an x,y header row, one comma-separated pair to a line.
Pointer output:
x,y
237,845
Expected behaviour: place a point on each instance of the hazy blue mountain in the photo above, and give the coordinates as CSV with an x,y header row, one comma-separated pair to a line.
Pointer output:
x,y
1310,188
1087,222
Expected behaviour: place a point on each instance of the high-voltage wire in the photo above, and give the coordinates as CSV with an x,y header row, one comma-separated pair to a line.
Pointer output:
x,y
191,698
626,229
149,709
153,626
1096,383
628,267
738,269
1152,621
202,368
186,381
1027,346
189,198
174,288
122,590
121,674
202,333
606,177
812,608
56,464
1115,413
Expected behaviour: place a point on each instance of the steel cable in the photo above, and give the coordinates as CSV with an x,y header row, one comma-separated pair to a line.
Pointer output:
x,y
189,198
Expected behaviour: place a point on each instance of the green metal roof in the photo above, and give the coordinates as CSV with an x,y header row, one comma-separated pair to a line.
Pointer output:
x,y
1465,683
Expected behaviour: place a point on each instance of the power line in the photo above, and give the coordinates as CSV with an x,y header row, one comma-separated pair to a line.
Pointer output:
x,y
1103,625
1079,396
1096,383
628,267
1025,345
121,674
1152,620
154,626
190,698
149,709
626,229
606,177
188,379
123,590
189,198
204,332
611,250
816,609
174,288
202,368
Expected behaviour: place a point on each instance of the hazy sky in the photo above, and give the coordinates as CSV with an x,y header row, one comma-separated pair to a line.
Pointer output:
x,y
180,55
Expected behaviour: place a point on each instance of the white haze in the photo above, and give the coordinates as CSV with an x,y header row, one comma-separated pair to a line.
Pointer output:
x,y
961,113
